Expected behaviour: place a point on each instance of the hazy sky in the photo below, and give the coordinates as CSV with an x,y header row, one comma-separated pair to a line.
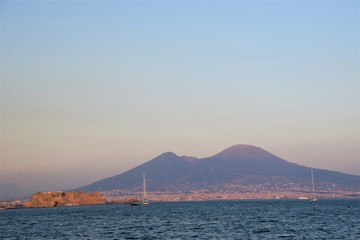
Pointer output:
x,y
90,89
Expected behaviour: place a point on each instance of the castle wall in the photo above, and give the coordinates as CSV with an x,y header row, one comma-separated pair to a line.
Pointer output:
x,y
57,199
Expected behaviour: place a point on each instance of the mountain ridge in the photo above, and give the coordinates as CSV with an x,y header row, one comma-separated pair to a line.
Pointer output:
x,y
240,164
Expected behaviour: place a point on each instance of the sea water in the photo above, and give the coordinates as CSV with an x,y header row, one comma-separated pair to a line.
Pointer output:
x,y
247,219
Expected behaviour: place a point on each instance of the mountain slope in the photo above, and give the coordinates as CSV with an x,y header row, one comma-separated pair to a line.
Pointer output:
x,y
161,172
239,164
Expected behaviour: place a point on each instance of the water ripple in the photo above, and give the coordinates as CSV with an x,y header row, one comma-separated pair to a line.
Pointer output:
x,y
327,219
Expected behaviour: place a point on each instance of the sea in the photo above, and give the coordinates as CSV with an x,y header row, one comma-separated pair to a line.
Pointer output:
x,y
243,219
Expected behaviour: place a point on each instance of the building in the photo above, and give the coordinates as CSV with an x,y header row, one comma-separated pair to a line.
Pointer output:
x,y
57,199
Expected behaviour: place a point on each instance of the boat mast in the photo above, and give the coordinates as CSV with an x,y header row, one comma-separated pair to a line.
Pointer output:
x,y
312,179
144,187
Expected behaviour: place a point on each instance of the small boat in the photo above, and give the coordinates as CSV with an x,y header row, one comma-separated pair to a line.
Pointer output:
x,y
136,203
303,198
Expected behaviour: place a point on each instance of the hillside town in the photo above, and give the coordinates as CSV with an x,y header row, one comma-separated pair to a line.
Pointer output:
x,y
225,192
236,192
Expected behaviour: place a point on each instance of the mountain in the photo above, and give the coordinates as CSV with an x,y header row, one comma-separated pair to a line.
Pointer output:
x,y
168,168
237,165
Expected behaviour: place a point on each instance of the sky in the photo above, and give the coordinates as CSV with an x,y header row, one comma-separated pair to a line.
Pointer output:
x,y
90,89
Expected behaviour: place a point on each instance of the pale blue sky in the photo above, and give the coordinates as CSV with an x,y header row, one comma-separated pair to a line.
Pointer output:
x,y
93,88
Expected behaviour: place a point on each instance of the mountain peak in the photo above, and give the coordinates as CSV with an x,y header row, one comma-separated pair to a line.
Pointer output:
x,y
168,154
241,147
167,157
242,150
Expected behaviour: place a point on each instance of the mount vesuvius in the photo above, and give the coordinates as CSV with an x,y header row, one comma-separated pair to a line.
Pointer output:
x,y
239,166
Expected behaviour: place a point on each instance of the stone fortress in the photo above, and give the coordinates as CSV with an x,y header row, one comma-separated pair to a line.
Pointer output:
x,y
60,199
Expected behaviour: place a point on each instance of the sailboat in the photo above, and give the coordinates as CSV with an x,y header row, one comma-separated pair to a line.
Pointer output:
x,y
144,200
314,199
